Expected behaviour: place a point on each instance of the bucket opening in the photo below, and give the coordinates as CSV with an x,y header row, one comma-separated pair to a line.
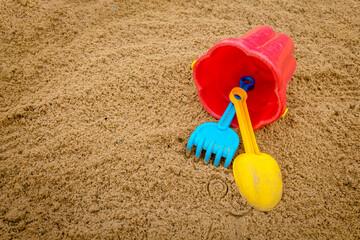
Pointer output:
x,y
221,72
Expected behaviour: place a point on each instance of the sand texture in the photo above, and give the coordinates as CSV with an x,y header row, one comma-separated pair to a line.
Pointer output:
x,y
97,102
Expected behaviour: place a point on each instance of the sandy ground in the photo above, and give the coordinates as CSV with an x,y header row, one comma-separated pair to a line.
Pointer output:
x,y
97,102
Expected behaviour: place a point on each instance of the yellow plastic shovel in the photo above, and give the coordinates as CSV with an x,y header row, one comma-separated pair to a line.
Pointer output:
x,y
257,174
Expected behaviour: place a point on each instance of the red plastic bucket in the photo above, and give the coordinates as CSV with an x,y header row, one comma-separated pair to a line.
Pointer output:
x,y
262,54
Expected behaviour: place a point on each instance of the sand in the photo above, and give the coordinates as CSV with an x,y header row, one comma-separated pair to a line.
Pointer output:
x,y
97,103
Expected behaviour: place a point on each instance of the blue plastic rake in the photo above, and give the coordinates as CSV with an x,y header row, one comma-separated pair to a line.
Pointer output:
x,y
219,138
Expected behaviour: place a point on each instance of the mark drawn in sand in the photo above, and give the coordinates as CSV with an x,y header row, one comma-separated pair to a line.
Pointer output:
x,y
217,188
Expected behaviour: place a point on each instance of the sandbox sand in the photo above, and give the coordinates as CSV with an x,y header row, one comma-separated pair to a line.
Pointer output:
x,y
97,102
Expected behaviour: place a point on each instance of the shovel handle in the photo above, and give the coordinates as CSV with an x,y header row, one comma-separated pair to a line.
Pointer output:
x,y
242,113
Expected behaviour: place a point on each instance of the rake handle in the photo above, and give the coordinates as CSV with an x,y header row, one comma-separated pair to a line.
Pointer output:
x,y
227,117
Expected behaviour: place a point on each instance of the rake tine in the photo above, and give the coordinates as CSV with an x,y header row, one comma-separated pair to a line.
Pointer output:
x,y
208,151
226,152
191,141
206,144
218,155
229,157
199,147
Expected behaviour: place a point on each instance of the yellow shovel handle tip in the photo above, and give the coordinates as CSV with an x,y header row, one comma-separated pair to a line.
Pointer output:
x,y
238,92
192,65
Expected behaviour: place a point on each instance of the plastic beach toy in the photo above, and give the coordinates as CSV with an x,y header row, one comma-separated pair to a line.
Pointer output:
x,y
257,174
262,54
219,138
